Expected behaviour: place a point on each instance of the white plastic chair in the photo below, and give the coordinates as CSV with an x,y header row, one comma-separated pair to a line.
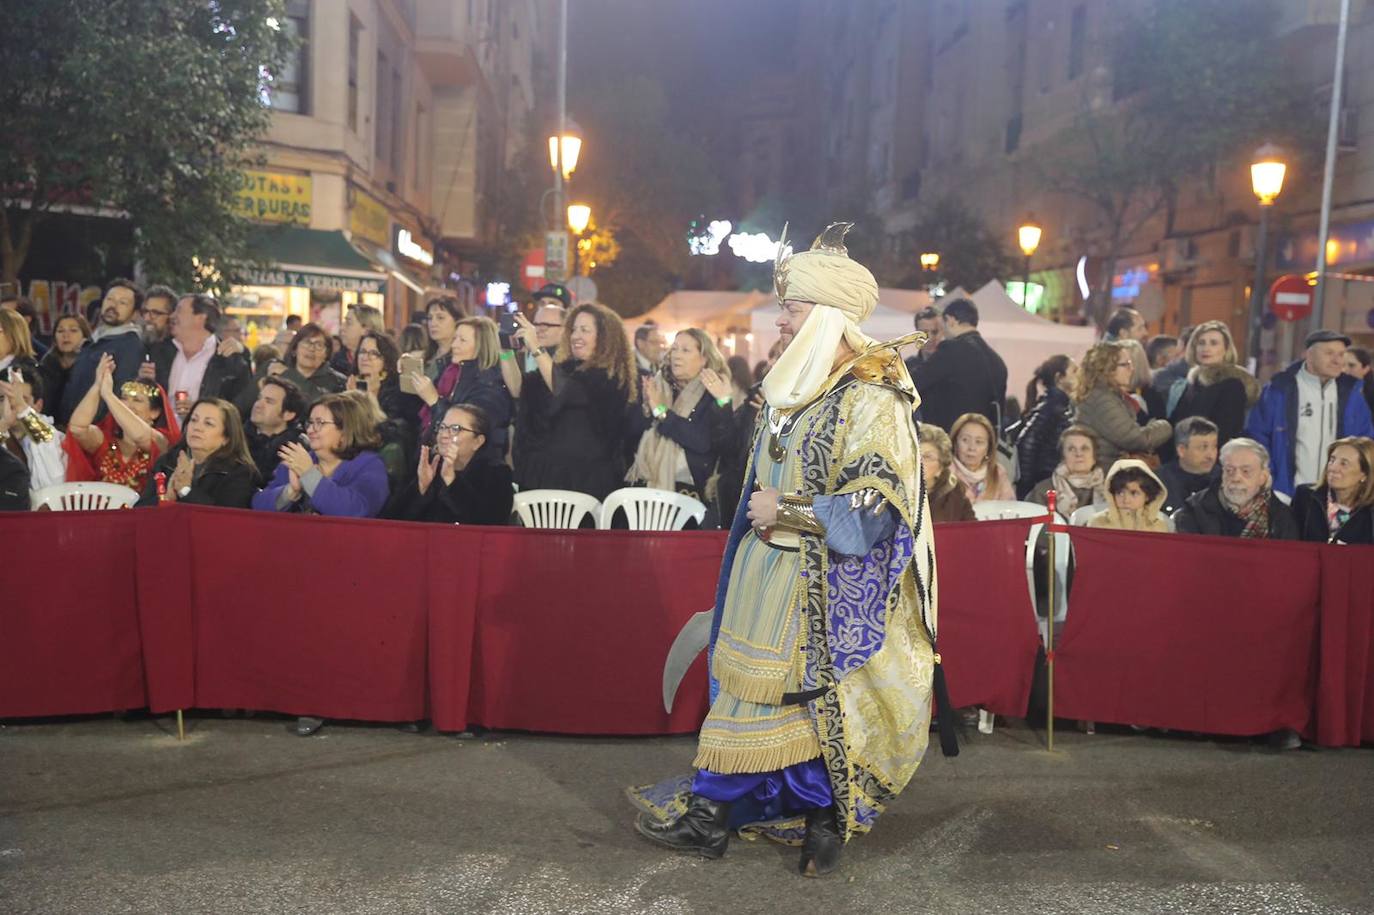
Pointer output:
x,y
84,497
555,508
1083,513
999,510
651,509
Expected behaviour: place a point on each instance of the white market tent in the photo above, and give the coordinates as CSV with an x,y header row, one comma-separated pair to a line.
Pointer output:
x,y
743,323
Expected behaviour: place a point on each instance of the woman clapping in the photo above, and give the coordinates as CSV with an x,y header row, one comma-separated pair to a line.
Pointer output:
x,y
458,482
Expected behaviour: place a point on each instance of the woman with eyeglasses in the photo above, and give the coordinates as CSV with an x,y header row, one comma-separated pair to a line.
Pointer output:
x,y
1106,407
376,359
307,364
456,482
341,474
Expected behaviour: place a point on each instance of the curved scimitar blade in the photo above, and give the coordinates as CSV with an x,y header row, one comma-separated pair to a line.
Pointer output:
x,y
690,642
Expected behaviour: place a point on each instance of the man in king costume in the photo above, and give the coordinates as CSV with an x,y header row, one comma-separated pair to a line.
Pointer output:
x,y
821,652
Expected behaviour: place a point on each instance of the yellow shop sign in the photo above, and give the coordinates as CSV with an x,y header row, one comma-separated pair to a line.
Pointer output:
x,y
273,197
368,219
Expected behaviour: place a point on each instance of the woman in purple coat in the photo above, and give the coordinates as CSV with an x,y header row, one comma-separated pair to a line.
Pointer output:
x,y
340,475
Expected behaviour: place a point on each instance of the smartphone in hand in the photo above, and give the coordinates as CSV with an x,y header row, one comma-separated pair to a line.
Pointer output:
x,y
410,362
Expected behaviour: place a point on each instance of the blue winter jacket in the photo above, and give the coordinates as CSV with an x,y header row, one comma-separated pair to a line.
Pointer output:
x,y
1273,421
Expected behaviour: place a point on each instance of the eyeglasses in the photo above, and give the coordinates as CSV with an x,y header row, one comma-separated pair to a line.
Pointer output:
x,y
376,354
548,324
317,424
452,429
315,343
157,311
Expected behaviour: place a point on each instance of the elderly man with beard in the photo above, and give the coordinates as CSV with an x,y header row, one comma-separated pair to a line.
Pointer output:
x,y
822,638
1242,503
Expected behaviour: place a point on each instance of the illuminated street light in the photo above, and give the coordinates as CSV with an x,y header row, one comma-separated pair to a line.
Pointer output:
x,y
1266,174
1028,237
1266,180
572,147
579,215
930,261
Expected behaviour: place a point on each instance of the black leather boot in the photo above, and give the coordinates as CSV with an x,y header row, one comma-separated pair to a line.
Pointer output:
x,y
821,850
701,829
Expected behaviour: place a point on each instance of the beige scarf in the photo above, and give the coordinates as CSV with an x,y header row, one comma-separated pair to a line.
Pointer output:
x,y
660,462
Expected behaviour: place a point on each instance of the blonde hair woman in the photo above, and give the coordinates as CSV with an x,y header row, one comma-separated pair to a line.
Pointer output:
x,y
472,375
975,460
1340,507
944,491
1216,388
1106,407
690,406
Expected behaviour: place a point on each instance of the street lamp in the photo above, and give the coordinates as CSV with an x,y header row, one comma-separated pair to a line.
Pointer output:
x,y
572,146
579,216
1266,180
1028,236
930,261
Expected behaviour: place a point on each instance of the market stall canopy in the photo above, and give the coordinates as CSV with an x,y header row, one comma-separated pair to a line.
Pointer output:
x,y
1022,339
314,258
716,312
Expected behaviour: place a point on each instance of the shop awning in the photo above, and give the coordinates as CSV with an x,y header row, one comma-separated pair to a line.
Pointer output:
x,y
314,258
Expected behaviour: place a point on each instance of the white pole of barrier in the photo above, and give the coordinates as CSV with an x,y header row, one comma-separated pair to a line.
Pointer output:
x,y
1050,500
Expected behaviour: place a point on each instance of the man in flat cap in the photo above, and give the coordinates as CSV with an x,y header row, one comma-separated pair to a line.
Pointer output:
x,y
822,641
1306,407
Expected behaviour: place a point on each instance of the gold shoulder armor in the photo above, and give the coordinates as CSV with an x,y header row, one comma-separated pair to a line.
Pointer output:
x,y
882,364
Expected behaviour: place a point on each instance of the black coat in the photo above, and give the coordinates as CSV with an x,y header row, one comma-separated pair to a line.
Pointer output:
x,y
225,483
264,448
1222,394
55,379
734,458
1309,507
226,377
481,494
1203,513
483,388
964,375
14,483
1181,484
1037,439
704,436
584,431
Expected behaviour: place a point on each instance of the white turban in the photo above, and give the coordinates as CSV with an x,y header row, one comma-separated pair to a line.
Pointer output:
x,y
845,294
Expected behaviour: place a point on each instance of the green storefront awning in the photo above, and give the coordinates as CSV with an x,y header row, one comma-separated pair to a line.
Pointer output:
x,y
314,258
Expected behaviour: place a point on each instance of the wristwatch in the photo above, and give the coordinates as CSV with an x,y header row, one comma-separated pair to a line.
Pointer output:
x,y
183,492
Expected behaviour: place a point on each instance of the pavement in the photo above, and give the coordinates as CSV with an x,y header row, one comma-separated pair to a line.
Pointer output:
x,y
106,816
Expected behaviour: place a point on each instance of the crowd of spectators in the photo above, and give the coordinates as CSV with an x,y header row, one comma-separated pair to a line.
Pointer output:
x,y
444,421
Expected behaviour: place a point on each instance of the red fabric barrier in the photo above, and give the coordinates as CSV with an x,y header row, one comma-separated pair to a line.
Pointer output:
x,y
310,615
1201,634
69,641
1345,691
567,631
574,626
988,636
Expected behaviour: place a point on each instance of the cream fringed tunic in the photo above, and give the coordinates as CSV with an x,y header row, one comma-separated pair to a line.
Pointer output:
x,y
758,655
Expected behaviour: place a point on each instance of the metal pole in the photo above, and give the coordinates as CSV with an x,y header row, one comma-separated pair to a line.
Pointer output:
x,y
1257,289
1051,498
181,726
559,210
1025,286
1316,318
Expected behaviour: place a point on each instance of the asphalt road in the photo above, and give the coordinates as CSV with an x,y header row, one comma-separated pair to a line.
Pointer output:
x,y
104,816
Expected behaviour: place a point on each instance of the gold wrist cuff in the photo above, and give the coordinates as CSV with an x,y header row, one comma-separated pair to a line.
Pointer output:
x,y
33,424
797,513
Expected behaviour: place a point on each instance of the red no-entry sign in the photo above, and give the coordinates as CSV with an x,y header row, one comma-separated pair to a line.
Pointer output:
x,y
1290,298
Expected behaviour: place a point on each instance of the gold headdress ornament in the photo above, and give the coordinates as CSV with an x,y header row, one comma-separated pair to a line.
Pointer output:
x,y
139,388
845,294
